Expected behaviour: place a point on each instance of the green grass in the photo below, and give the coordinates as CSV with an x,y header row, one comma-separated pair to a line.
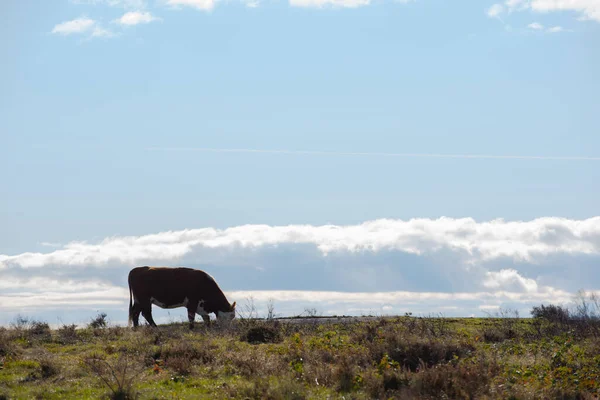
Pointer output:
x,y
403,357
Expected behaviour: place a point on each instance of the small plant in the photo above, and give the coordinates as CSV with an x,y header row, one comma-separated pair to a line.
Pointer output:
x,y
20,323
501,326
271,309
311,312
118,376
248,310
98,322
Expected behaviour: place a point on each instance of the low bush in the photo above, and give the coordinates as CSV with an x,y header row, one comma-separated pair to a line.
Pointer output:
x,y
117,375
262,334
551,313
99,321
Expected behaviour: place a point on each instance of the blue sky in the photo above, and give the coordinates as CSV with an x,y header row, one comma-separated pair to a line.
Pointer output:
x,y
107,105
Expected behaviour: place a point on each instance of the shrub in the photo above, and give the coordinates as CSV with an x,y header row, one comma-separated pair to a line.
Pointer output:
x,y
7,347
179,364
39,328
262,334
345,374
287,389
551,313
409,352
67,333
463,381
98,322
118,376
181,355
48,368
493,335
189,351
30,328
283,389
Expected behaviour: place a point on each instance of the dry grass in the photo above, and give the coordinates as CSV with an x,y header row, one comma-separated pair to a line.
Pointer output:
x,y
403,357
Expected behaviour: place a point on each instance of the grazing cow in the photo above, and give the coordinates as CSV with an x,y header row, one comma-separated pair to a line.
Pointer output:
x,y
176,287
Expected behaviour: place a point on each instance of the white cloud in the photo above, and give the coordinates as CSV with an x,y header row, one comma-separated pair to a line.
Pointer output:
x,y
480,241
90,299
101,32
45,286
536,26
136,17
515,5
329,3
589,9
495,10
402,297
489,307
510,279
78,25
48,244
205,5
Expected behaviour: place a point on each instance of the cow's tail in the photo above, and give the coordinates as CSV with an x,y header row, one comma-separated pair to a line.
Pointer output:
x,y
130,307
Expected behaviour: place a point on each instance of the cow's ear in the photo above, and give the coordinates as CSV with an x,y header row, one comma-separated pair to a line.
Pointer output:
x,y
233,306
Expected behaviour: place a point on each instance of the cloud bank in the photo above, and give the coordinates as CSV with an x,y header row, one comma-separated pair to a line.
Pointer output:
x,y
584,9
457,265
477,241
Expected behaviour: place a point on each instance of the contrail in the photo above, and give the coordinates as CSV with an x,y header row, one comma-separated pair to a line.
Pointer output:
x,y
374,154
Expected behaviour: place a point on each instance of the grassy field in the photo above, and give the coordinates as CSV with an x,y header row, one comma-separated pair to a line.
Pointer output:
x,y
402,357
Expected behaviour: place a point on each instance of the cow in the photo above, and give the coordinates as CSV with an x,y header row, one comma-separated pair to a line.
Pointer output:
x,y
176,287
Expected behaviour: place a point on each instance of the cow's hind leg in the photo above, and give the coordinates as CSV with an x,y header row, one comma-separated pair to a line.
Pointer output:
x,y
147,313
135,314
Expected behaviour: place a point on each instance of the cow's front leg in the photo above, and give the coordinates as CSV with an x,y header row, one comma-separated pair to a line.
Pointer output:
x,y
206,319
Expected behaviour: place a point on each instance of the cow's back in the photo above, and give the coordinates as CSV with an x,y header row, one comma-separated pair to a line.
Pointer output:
x,y
173,285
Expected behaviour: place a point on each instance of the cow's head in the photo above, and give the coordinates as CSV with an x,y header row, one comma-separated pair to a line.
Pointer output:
x,y
227,316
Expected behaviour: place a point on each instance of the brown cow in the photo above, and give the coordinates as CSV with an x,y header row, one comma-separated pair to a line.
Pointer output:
x,y
176,287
